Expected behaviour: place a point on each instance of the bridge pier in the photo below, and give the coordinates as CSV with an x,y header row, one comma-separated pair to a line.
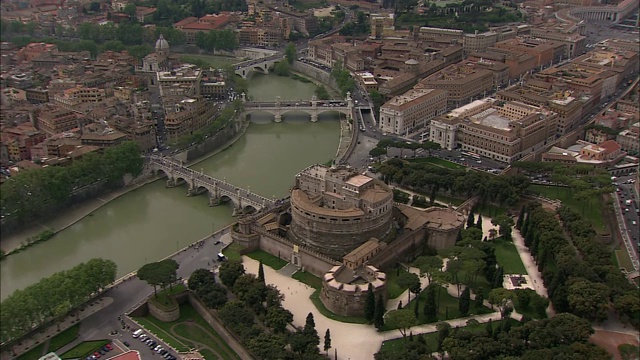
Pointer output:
x,y
194,191
172,182
213,200
314,117
278,118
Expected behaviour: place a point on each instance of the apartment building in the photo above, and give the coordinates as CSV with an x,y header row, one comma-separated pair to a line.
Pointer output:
x,y
185,116
440,35
504,131
183,81
567,105
72,98
54,120
545,52
461,82
412,110
575,44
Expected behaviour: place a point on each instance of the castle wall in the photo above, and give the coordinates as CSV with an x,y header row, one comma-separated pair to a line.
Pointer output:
x,y
349,300
407,245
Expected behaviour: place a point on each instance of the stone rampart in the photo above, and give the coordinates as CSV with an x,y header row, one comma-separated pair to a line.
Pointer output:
x,y
349,299
408,244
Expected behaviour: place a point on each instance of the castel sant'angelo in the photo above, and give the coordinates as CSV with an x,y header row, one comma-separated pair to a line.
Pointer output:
x,y
344,227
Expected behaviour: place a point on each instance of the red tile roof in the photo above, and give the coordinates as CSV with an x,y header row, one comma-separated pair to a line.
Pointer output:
x,y
610,146
186,21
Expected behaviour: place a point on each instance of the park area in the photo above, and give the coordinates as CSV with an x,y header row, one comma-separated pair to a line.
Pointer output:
x,y
591,209
188,332
214,61
437,162
54,344
508,257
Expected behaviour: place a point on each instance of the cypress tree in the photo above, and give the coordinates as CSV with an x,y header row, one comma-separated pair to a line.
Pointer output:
x,y
470,220
261,272
370,305
400,305
497,278
520,218
430,310
489,328
459,237
327,341
479,299
378,319
416,308
479,223
464,302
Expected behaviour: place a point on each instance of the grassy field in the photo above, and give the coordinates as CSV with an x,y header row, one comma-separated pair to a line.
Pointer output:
x,y
268,259
309,279
448,308
397,345
393,289
232,252
304,7
508,257
438,162
64,338
217,62
187,315
83,349
33,354
450,200
490,210
591,211
623,260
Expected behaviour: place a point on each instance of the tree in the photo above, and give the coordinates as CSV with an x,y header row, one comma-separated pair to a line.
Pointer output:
x,y
402,320
261,272
230,271
410,281
588,299
370,305
154,274
504,224
378,320
479,299
503,299
520,220
444,330
290,52
235,313
628,351
130,9
267,346
213,296
430,310
464,302
201,278
278,318
479,223
94,6
470,220
327,341
429,265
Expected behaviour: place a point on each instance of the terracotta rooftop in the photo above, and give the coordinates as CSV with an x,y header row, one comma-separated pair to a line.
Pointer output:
x,y
610,146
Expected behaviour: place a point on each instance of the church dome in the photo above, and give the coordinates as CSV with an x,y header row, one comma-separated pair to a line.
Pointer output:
x,y
161,43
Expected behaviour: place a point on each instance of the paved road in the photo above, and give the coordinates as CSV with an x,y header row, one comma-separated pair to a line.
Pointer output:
x,y
127,294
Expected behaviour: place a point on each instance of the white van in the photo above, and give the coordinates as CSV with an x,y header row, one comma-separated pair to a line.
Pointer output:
x,y
137,333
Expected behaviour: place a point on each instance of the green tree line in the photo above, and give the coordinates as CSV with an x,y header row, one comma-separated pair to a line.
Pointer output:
x,y
53,297
217,40
33,194
343,78
577,271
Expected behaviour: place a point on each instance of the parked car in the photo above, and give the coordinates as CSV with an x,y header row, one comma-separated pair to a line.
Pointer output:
x,y
126,344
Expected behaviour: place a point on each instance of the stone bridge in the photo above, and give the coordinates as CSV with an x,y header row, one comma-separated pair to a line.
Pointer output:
x,y
262,64
244,201
312,107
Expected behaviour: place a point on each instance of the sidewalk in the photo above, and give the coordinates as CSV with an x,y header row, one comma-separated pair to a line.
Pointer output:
x,y
53,330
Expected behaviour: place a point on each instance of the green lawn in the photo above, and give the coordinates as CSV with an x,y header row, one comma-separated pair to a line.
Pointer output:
x,y
393,289
308,279
315,298
268,259
397,345
490,210
508,257
208,354
83,349
64,338
187,314
591,210
438,162
232,252
217,62
33,354
623,260
198,335
450,200
448,307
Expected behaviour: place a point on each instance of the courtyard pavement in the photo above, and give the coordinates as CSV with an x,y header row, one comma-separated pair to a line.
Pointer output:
x,y
352,341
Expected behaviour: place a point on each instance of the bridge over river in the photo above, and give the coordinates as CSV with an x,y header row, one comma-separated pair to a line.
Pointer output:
x,y
244,200
313,107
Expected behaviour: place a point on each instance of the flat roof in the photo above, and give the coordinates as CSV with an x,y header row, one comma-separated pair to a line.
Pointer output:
x,y
358,180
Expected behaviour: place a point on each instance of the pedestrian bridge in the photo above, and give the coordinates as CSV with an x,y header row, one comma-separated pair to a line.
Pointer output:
x,y
312,107
262,64
244,201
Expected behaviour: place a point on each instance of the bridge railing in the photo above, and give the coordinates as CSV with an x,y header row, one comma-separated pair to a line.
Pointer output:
x,y
207,179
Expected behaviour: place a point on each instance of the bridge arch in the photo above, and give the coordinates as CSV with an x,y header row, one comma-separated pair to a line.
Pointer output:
x,y
226,199
159,171
249,209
